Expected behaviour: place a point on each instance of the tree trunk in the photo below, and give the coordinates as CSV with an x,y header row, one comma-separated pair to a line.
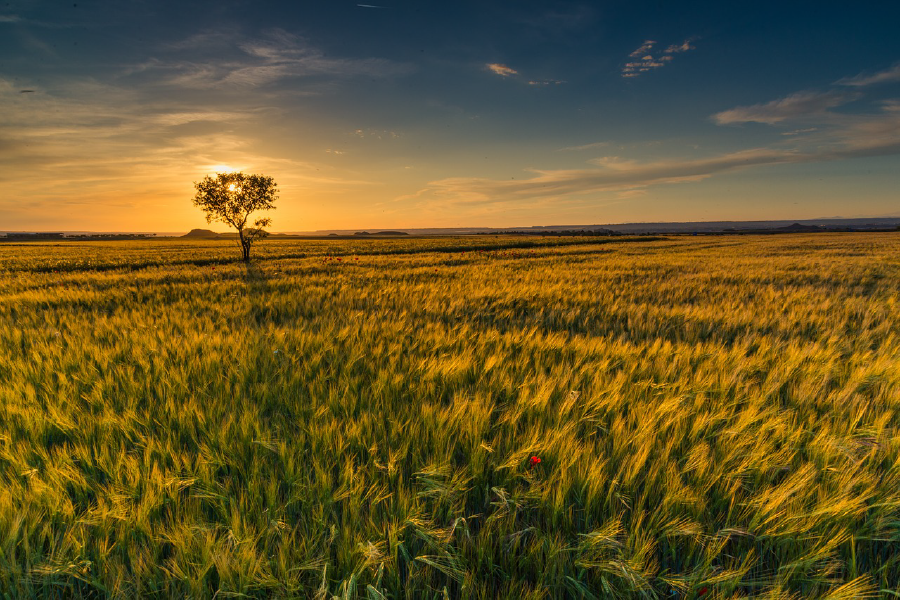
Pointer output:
x,y
245,246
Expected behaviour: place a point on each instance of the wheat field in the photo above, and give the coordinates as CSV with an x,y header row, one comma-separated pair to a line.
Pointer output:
x,y
481,417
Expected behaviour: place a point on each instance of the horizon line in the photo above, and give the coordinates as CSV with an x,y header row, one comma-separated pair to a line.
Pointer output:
x,y
458,228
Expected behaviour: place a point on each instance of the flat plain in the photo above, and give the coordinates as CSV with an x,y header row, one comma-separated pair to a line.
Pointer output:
x,y
714,417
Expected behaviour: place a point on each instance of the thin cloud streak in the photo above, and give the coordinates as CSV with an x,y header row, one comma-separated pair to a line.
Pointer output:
x,y
888,75
682,47
501,69
859,136
243,63
592,146
615,175
798,105
643,49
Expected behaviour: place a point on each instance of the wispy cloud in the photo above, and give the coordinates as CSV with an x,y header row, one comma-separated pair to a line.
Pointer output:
x,y
507,71
183,117
97,131
682,47
851,136
824,136
501,69
643,48
863,79
237,62
87,142
629,194
213,39
378,134
615,174
800,131
591,146
89,139
800,104
647,61
9,19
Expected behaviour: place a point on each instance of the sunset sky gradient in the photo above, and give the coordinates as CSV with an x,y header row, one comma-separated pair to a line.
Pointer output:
x,y
443,114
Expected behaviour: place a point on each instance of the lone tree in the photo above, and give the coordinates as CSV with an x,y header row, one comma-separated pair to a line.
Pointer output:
x,y
232,197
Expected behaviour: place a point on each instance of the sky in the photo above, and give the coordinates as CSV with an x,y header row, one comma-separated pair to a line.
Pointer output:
x,y
419,113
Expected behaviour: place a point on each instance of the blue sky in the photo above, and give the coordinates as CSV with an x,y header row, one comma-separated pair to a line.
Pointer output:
x,y
434,114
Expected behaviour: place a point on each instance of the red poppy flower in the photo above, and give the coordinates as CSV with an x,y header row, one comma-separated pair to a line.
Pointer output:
x,y
702,591
534,460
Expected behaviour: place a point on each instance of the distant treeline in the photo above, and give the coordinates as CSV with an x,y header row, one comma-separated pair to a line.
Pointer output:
x,y
36,237
793,228
560,232
798,228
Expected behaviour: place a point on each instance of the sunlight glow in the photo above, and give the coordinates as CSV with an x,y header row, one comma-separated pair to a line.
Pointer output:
x,y
219,168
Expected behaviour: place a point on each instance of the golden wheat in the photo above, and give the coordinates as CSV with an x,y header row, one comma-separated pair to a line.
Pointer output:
x,y
355,419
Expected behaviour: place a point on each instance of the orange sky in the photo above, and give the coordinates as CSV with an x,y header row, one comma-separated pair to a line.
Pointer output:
x,y
370,119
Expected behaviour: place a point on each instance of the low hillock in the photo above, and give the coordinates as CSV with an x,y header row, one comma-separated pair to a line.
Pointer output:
x,y
201,234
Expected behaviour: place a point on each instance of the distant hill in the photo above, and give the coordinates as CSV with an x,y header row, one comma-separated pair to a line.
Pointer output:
x,y
380,233
201,233
799,227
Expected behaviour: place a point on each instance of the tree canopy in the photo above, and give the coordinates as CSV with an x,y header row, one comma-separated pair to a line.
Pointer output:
x,y
232,197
